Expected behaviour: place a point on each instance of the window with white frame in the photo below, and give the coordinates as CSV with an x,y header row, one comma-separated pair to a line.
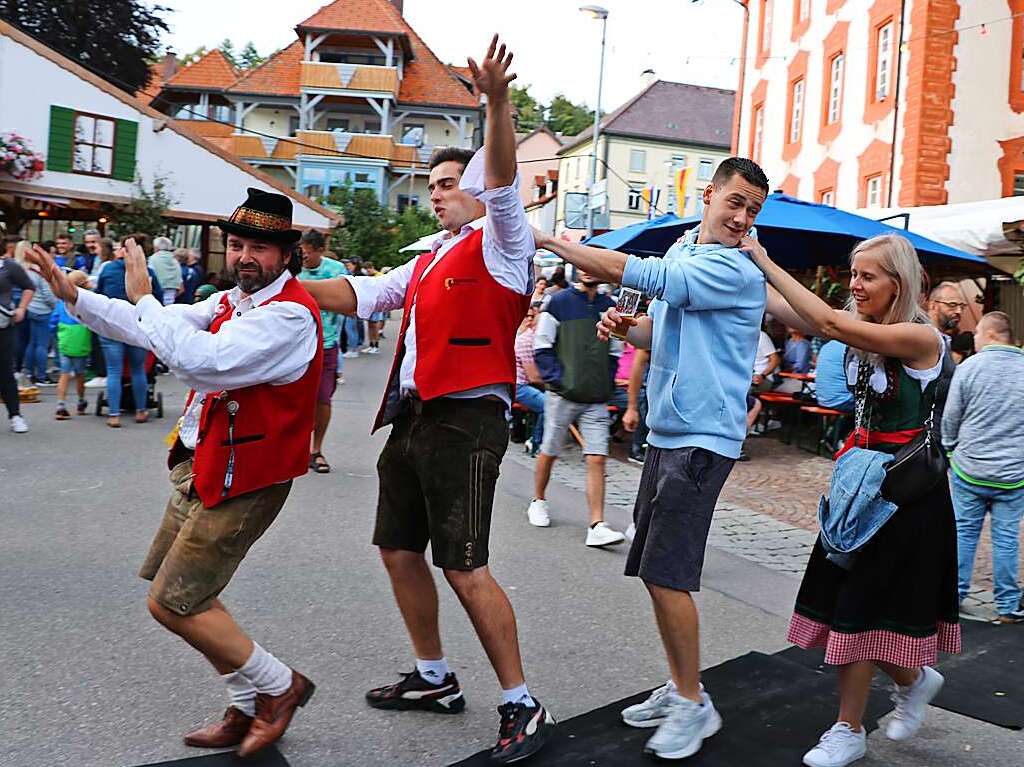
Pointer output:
x,y
797,113
637,161
705,169
835,88
874,192
884,42
828,197
93,145
758,133
634,197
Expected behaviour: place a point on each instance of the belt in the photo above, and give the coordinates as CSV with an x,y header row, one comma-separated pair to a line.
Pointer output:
x,y
489,404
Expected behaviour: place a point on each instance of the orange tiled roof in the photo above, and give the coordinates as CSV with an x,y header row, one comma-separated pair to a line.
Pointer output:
x,y
155,85
427,81
358,16
212,70
206,128
277,76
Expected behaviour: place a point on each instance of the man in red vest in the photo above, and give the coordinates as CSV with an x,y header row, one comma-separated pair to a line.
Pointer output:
x,y
252,356
447,397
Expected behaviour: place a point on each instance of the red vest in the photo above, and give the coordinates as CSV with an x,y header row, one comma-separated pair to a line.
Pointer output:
x,y
466,325
271,424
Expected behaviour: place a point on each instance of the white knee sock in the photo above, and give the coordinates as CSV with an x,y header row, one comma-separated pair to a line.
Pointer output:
x,y
267,674
518,695
434,671
242,692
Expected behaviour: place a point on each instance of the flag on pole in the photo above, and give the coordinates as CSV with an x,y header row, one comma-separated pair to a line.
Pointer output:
x,y
682,176
650,196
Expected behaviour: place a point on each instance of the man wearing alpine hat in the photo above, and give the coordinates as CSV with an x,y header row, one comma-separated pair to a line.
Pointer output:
x,y
252,357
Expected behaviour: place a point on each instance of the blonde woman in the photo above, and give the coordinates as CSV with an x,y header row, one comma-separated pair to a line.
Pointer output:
x,y
897,607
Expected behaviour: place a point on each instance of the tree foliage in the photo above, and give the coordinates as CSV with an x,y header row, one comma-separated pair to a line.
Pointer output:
x,y
193,57
114,38
567,117
250,57
530,113
372,232
228,49
145,211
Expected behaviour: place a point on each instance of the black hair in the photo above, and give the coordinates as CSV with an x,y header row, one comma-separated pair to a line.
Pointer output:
x,y
748,169
450,154
314,239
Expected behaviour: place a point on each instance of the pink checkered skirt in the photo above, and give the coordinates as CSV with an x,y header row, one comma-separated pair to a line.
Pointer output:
x,y
877,645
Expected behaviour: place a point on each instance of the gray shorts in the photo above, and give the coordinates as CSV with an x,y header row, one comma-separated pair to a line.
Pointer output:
x,y
560,413
674,505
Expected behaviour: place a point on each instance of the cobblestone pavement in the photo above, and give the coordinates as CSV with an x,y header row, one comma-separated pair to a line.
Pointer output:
x,y
768,509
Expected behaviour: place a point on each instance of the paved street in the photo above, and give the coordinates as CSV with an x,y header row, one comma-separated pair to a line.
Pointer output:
x,y
90,680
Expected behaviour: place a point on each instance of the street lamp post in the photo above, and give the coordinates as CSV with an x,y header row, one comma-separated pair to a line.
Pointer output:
x,y
596,12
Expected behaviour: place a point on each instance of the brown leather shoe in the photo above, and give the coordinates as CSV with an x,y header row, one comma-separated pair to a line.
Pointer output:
x,y
229,731
274,713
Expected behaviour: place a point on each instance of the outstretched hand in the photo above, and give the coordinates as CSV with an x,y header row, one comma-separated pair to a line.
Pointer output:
x,y
136,275
491,76
61,286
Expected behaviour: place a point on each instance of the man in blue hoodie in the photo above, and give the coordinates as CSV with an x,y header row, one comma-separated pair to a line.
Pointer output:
x,y
702,331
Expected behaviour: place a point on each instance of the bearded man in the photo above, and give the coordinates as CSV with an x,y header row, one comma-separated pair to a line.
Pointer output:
x,y
252,357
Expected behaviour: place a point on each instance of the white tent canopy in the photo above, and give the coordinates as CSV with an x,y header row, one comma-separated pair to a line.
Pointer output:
x,y
990,228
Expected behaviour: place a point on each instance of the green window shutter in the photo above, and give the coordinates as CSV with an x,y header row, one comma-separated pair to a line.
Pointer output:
x,y
62,128
125,143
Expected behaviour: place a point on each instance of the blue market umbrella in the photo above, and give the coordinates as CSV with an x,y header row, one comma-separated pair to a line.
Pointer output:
x,y
797,234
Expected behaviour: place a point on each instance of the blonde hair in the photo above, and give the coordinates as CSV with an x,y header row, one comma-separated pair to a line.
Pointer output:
x,y
20,249
898,259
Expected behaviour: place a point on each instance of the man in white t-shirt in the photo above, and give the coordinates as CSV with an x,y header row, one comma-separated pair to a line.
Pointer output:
x,y
765,363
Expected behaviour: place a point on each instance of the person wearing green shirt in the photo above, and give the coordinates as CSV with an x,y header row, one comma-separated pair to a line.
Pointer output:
x,y
315,266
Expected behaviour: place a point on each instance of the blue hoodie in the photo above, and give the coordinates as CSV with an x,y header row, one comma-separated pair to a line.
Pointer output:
x,y
707,320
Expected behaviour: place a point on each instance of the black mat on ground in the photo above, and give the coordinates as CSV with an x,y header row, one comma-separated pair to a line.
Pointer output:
x,y
773,711
269,757
986,680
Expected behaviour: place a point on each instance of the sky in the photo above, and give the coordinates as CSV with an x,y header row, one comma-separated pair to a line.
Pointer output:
x,y
557,48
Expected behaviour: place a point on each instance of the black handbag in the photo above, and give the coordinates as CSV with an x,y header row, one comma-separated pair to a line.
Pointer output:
x,y
919,466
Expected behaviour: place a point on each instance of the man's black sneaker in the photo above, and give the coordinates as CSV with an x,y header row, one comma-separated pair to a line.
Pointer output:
x,y
637,456
416,692
523,731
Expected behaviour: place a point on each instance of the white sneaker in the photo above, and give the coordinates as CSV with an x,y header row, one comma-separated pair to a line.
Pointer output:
x,y
96,383
538,513
685,726
18,424
652,711
602,535
912,704
374,350
838,747
367,350
630,532
351,355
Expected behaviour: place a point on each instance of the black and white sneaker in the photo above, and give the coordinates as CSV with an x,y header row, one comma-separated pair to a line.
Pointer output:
x,y
415,692
523,731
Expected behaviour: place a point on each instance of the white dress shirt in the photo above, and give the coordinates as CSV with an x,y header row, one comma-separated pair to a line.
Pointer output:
x,y
271,344
508,250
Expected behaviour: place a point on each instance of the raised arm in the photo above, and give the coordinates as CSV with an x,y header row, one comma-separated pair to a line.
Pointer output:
x,y
913,343
491,77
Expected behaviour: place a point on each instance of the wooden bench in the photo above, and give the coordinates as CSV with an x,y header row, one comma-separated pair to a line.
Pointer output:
x,y
828,420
